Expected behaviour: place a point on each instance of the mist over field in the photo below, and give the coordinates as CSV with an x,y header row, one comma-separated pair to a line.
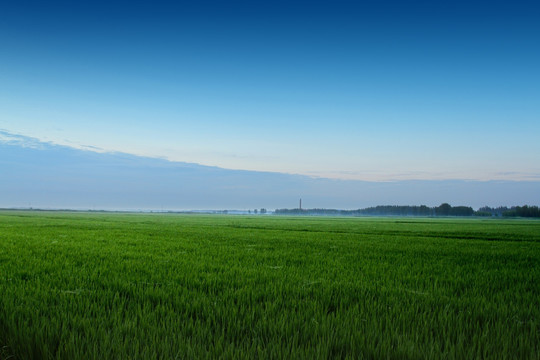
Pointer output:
x,y
43,175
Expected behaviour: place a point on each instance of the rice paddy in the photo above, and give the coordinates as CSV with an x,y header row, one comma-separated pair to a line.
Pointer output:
x,y
169,286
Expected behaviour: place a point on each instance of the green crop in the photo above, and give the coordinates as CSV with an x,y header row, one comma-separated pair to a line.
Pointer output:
x,y
158,286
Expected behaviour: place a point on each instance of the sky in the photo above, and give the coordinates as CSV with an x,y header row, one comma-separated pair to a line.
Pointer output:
x,y
42,175
373,90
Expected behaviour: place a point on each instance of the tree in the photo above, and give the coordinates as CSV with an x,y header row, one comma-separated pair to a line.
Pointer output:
x,y
443,210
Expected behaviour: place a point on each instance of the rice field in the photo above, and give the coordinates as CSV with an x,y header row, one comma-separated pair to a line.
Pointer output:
x,y
169,286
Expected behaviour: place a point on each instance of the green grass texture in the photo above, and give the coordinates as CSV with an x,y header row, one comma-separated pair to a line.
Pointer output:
x,y
170,286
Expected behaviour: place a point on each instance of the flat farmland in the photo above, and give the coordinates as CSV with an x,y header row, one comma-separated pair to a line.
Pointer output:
x,y
169,286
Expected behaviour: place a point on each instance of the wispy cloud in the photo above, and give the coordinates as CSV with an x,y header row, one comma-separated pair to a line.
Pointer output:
x,y
20,140
173,155
386,176
11,138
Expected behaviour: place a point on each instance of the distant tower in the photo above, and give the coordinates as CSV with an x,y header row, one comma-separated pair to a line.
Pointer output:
x,y
300,204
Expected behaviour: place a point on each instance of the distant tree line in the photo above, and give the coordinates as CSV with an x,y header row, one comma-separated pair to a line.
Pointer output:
x,y
255,211
489,211
386,210
514,211
422,210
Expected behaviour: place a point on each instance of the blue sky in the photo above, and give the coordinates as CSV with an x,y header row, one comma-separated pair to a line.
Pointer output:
x,y
352,90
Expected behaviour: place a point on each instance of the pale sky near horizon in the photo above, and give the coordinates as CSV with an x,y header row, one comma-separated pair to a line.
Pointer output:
x,y
352,90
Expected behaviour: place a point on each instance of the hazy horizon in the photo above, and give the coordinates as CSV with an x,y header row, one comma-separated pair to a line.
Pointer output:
x,y
49,176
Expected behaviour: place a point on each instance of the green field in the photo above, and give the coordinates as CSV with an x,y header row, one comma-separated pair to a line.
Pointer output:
x,y
148,286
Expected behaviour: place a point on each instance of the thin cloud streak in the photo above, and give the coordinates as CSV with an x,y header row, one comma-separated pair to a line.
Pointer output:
x,y
367,175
